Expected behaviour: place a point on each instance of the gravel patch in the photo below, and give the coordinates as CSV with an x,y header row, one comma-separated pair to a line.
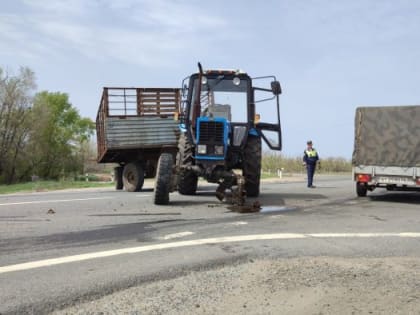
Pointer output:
x,y
325,285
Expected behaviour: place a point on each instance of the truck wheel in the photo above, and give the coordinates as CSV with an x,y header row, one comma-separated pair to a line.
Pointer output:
x,y
133,177
118,177
187,179
163,179
361,189
251,168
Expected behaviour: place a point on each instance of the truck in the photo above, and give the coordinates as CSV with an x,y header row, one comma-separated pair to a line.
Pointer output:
x,y
224,117
133,127
387,149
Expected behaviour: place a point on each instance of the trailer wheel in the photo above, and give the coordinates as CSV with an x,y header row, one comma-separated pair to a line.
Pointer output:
x,y
251,168
187,179
361,189
133,177
163,179
118,177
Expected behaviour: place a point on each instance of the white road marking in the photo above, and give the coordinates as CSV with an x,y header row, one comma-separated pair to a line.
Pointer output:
x,y
277,216
143,196
363,235
176,235
205,241
47,201
239,223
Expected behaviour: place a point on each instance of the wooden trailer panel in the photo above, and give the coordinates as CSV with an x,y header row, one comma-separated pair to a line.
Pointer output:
x,y
136,119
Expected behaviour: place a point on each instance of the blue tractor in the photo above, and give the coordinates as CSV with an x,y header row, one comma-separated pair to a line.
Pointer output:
x,y
221,135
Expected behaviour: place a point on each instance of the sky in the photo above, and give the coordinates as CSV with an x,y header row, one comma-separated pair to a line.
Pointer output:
x,y
329,56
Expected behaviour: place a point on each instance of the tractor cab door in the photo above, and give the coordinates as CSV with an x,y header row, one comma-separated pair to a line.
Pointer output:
x,y
267,113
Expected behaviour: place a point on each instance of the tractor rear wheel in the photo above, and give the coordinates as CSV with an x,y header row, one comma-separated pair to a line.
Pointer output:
x,y
133,176
251,168
187,179
163,179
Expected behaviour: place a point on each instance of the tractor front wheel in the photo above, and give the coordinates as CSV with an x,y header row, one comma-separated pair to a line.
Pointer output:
x,y
163,179
251,168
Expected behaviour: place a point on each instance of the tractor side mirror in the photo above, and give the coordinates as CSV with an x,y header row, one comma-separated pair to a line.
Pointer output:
x,y
275,87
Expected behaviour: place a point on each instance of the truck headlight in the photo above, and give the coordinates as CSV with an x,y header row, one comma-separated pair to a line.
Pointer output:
x,y
202,149
218,149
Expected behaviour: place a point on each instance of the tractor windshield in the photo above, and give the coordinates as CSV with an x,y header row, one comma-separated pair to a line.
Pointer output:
x,y
223,96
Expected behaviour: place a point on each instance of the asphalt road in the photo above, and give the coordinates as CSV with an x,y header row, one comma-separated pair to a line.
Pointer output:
x,y
59,249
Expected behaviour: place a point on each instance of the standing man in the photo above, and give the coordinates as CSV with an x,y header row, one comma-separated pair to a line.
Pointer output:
x,y
310,159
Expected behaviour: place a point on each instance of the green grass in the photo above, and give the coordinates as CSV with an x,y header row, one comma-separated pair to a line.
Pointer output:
x,y
50,185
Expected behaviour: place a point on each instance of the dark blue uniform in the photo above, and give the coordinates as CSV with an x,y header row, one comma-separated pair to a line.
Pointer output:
x,y
310,158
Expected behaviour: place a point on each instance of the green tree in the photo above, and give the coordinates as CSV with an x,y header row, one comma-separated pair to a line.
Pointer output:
x,y
15,100
58,136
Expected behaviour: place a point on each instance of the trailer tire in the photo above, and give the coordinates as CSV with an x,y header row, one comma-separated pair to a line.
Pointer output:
x,y
163,179
187,179
361,189
251,168
118,177
133,176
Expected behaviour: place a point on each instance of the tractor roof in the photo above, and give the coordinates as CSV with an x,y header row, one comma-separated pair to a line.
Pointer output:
x,y
224,71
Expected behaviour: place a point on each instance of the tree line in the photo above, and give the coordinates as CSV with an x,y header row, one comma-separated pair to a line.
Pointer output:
x,y
272,162
41,133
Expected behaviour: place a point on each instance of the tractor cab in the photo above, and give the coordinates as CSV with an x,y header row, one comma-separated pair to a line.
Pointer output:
x,y
220,109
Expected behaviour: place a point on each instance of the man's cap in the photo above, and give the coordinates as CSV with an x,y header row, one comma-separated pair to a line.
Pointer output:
x,y
309,142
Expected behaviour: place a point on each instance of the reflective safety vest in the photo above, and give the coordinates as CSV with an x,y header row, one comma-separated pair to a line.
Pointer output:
x,y
311,154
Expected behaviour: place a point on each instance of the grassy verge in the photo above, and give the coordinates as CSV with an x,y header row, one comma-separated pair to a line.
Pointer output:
x,y
50,185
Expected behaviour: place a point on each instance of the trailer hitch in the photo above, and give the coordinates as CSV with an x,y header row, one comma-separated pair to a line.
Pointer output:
x,y
239,193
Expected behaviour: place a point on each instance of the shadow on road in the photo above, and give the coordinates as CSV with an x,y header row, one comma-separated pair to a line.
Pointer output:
x,y
301,196
400,197
140,231
133,214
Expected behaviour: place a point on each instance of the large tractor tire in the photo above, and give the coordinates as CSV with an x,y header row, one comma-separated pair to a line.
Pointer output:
x,y
118,177
163,180
133,177
251,168
187,179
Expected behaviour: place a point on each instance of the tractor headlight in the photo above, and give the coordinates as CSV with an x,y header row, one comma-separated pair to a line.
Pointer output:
x,y
218,149
202,149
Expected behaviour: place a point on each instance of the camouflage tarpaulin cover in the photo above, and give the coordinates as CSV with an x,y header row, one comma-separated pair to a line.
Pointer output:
x,y
387,136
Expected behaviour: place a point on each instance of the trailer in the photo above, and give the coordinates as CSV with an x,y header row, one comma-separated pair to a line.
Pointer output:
x,y
134,126
387,149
